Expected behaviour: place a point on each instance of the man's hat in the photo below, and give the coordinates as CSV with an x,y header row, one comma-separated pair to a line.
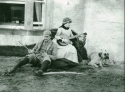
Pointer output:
x,y
47,33
67,20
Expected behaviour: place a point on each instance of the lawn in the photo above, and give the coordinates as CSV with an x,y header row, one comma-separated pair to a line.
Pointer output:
x,y
107,79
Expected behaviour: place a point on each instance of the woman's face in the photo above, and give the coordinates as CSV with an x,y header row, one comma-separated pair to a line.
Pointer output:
x,y
67,25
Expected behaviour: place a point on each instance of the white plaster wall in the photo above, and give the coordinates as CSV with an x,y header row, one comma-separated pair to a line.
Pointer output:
x,y
74,10
103,20
12,40
104,23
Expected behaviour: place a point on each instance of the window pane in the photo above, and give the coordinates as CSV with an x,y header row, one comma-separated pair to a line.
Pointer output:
x,y
11,13
37,16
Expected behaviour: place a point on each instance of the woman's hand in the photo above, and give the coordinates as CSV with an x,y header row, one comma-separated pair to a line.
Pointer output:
x,y
65,40
45,54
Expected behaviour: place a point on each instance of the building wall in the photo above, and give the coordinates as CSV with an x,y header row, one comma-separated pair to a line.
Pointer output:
x,y
13,40
74,10
104,23
103,20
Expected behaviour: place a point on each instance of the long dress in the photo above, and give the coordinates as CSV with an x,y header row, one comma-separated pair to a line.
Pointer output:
x,y
69,51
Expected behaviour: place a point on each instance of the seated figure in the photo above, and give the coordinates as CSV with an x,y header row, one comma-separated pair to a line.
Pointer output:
x,y
67,51
78,44
41,55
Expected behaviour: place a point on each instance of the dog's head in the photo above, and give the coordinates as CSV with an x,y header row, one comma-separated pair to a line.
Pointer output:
x,y
106,55
103,56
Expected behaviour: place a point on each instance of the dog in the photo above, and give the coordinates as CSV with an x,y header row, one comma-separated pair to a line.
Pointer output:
x,y
107,60
97,59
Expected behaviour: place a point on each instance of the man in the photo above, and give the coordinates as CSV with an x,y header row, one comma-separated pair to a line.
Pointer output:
x,y
41,55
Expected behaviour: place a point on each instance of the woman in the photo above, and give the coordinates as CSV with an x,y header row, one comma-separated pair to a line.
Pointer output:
x,y
68,51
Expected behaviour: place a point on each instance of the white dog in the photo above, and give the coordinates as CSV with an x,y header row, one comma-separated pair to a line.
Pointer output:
x,y
107,60
96,59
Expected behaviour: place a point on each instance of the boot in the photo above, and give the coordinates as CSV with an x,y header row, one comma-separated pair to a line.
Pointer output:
x,y
44,67
21,63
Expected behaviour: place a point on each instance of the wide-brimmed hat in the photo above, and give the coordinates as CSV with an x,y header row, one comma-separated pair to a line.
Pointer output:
x,y
47,33
67,20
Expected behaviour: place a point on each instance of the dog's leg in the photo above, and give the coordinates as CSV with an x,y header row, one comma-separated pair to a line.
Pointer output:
x,y
92,64
100,63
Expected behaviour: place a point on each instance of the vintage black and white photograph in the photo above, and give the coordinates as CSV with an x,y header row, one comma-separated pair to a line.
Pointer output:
x,y
62,46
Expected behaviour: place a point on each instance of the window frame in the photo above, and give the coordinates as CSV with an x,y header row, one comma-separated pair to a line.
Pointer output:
x,y
13,2
23,26
13,26
43,15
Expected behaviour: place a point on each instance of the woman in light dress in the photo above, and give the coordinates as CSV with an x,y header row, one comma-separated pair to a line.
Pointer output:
x,y
69,51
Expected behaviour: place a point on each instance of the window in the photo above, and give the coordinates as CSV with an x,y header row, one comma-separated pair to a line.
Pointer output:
x,y
38,14
14,15
17,13
11,14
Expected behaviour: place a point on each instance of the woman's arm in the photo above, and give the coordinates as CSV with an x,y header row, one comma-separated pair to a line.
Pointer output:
x,y
58,33
71,34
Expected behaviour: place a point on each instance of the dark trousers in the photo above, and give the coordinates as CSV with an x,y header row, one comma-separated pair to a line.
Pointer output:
x,y
62,63
25,61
